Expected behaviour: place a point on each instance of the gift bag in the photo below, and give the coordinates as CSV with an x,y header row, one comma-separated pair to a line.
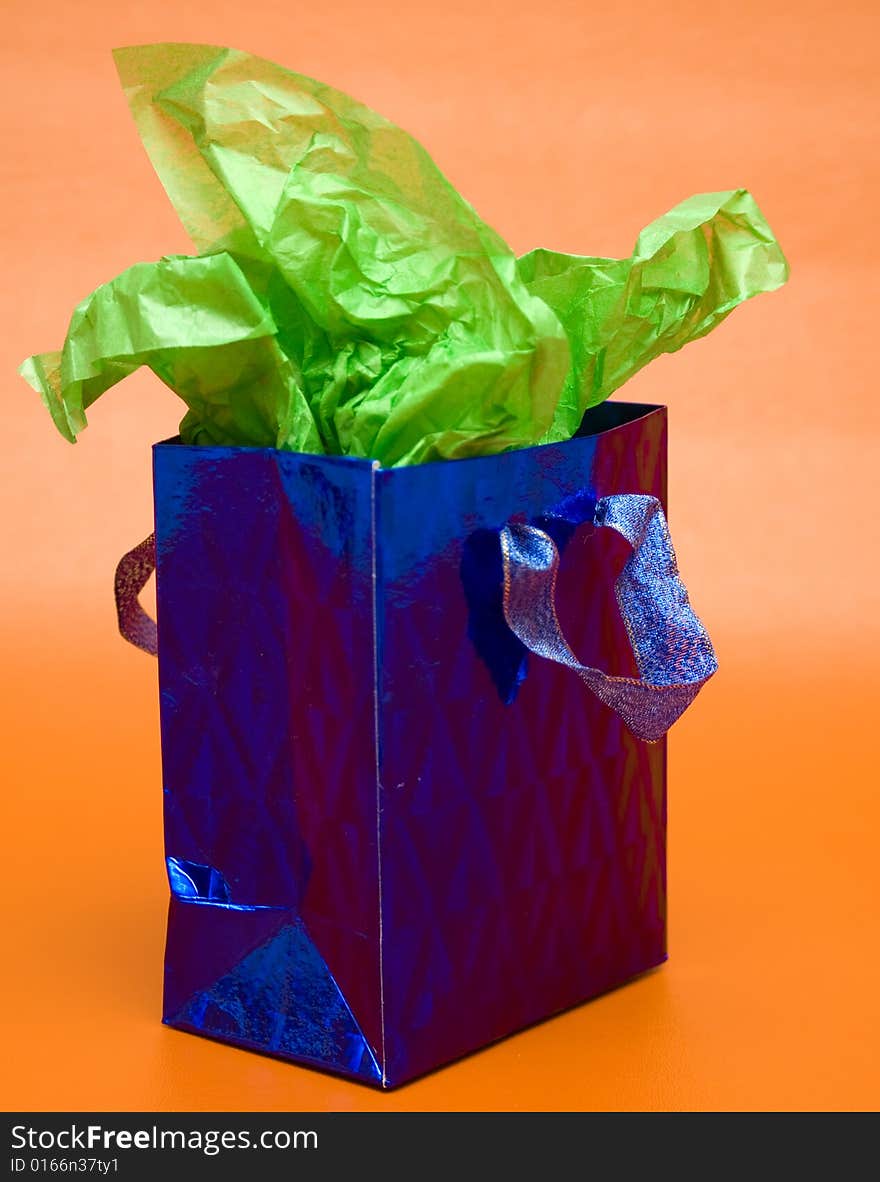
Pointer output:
x,y
402,818
420,627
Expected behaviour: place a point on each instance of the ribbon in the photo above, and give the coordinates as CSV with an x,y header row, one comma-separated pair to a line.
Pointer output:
x,y
672,648
132,573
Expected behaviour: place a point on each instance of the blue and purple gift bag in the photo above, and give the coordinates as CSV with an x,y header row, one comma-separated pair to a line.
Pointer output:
x,y
413,707
412,719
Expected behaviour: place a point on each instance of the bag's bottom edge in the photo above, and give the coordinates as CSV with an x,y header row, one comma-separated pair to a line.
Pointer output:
x,y
373,1077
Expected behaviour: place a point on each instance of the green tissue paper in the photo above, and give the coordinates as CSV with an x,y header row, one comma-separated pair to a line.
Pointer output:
x,y
347,300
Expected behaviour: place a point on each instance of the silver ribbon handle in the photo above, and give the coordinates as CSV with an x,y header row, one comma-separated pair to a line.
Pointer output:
x,y
672,648
132,573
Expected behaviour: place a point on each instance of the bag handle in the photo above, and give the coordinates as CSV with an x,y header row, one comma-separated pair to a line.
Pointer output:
x,y
132,573
672,648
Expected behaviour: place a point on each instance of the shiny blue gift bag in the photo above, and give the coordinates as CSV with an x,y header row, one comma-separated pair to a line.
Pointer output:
x,y
402,818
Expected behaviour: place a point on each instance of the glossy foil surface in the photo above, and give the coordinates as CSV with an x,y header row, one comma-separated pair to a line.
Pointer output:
x,y
392,837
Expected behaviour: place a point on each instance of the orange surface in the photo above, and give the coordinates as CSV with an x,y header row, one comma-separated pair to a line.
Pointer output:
x,y
568,125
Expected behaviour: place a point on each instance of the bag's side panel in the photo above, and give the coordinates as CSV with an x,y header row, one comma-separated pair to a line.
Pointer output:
x,y
264,595
523,844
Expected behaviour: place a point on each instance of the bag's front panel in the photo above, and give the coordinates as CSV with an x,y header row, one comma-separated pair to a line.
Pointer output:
x,y
268,735
522,825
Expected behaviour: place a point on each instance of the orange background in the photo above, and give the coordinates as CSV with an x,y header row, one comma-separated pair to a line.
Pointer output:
x,y
568,125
